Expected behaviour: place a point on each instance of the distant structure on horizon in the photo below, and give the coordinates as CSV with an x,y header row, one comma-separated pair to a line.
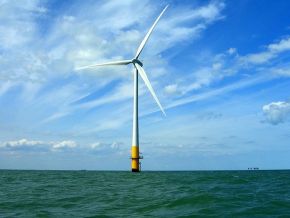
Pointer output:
x,y
253,168
135,156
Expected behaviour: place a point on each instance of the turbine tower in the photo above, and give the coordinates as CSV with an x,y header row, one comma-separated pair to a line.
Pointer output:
x,y
138,65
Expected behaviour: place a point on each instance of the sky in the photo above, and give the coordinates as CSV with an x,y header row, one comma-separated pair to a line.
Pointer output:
x,y
221,70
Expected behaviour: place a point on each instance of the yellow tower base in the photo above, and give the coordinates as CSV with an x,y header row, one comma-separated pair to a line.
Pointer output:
x,y
135,159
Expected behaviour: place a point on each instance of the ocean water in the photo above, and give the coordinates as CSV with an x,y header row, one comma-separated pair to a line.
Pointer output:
x,y
145,194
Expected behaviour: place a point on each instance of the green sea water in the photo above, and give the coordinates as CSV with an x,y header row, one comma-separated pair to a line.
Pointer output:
x,y
145,194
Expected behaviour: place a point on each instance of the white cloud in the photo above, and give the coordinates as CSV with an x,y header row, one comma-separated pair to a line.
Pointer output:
x,y
232,51
75,38
213,71
170,89
35,145
25,145
225,65
282,45
176,28
272,51
22,143
17,22
259,58
64,145
277,112
219,91
100,148
96,145
281,71
19,36
115,145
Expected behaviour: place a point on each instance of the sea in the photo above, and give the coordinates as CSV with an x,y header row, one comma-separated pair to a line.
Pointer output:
x,y
255,193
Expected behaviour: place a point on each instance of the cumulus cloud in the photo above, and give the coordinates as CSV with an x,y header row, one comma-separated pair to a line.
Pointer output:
x,y
37,146
101,148
21,142
96,145
277,112
116,145
64,145
25,145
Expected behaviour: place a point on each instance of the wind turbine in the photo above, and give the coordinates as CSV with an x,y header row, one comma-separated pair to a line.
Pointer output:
x,y
138,65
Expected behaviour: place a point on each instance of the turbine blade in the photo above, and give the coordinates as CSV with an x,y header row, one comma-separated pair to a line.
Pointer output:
x,y
123,62
148,84
141,46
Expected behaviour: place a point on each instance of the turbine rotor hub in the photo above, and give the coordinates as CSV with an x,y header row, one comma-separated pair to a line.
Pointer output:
x,y
136,61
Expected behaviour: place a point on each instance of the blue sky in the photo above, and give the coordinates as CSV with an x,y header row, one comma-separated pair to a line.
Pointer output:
x,y
221,69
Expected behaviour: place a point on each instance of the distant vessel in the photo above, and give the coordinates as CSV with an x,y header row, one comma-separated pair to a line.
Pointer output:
x,y
253,168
